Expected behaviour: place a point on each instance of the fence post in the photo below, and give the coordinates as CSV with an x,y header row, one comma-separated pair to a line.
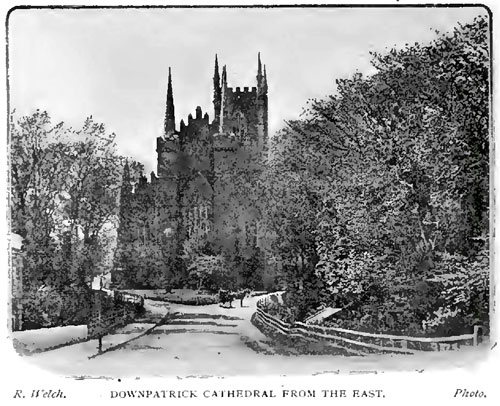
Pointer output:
x,y
475,338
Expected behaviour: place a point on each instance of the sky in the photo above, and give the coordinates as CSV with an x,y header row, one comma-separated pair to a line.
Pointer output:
x,y
113,64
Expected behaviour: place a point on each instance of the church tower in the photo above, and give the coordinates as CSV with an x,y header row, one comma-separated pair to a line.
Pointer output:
x,y
244,112
208,172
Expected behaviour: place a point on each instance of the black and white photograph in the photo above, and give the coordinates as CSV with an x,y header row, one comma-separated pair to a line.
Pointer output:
x,y
210,194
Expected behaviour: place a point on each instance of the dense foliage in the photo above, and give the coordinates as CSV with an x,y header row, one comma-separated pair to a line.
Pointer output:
x,y
380,193
64,199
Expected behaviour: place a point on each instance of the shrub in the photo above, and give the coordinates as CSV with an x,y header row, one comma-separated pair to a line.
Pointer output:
x,y
50,306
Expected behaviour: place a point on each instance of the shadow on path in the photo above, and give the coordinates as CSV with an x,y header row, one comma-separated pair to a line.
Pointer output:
x,y
180,315
21,350
146,332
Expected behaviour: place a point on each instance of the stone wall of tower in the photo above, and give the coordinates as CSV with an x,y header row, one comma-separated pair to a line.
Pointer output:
x,y
197,142
169,158
262,121
209,170
167,151
196,173
144,250
240,114
236,201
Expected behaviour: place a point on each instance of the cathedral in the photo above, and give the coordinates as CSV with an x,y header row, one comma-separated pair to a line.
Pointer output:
x,y
205,196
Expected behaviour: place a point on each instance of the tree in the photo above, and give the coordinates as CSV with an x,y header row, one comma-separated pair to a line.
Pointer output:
x,y
413,183
210,271
292,188
63,197
376,184
37,190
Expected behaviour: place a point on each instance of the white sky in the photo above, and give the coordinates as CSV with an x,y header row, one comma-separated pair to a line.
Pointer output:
x,y
113,64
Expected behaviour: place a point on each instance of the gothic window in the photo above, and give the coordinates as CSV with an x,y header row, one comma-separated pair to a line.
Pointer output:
x,y
240,125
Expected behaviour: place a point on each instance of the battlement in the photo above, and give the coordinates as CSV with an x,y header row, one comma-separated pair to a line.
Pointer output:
x,y
239,121
246,90
196,126
198,118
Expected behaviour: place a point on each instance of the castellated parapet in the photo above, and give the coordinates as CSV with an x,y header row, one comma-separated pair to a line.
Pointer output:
x,y
208,167
207,190
196,127
240,121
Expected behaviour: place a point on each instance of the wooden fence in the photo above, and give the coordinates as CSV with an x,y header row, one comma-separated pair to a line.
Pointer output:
x,y
112,311
360,342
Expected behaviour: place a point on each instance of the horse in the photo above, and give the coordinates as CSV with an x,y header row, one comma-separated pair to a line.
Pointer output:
x,y
226,296
241,294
